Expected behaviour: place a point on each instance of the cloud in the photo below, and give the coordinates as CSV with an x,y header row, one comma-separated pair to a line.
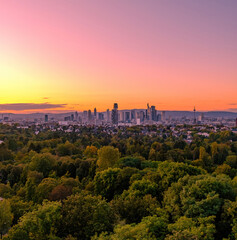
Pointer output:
x,y
232,104
29,106
45,97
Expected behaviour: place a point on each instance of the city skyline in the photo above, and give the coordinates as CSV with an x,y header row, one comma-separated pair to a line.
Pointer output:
x,y
31,108
60,56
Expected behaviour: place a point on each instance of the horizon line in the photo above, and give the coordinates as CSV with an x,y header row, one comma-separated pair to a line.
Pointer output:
x,y
81,111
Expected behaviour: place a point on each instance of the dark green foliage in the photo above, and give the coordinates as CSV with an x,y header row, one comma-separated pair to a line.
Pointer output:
x,y
43,163
133,208
66,149
5,153
187,229
106,183
39,224
135,162
171,172
112,181
19,207
85,215
150,228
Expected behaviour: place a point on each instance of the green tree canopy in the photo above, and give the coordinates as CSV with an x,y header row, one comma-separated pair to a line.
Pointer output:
x,y
6,216
39,224
85,215
43,163
108,157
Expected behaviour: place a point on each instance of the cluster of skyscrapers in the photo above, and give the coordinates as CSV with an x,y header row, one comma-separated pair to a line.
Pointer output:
x,y
147,116
115,116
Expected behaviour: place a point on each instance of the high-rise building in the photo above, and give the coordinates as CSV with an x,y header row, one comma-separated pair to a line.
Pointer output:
x,y
89,115
142,116
158,117
127,117
163,116
121,116
202,116
115,114
72,117
199,119
148,112
194,115
133,114
138,115
46,118
85,116
116,106
101,116
153,113
95,113
76,116
68,118
107,115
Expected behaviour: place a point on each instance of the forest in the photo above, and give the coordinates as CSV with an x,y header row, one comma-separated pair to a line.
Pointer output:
x,y
105,183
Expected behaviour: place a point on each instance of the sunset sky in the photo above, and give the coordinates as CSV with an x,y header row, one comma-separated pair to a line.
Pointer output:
x,y
60,55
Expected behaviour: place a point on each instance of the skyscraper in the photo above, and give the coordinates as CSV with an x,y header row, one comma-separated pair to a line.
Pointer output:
x,y
95,113
127,117
121,116
107,115
76,116
158,117
85,116
89,115
202,116
101,116
149,112
46,118
163,116
194,115
116,106
153,113
142,116
115,114
133,114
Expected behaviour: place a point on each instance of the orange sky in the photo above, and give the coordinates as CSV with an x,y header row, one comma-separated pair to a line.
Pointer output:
x,y
76,55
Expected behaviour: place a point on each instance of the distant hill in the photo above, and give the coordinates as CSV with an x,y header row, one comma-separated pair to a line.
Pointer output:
x,y
211,114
